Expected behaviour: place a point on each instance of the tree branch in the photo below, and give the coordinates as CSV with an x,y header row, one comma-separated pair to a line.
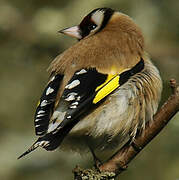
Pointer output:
x,y
119,161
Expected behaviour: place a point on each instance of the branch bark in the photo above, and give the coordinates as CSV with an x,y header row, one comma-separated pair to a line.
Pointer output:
x,y
120,160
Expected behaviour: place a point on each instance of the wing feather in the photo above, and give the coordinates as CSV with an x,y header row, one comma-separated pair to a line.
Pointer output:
x,y
85,89
45,106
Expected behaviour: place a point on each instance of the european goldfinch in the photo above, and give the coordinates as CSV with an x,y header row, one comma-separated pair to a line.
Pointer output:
x,y
102,90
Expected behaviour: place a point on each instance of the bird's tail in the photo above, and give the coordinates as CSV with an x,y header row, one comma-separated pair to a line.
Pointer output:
x,y
32,148
51,140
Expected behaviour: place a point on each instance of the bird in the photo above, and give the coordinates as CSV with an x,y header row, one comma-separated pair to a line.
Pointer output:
x,y
101,91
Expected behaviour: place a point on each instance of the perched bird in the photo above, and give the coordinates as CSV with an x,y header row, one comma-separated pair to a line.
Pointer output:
x,y
102,90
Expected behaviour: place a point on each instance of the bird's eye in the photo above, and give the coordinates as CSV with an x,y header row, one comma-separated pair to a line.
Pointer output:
x,y
92,26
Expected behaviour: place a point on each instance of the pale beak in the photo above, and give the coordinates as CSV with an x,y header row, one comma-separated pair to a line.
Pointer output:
x,y
72,31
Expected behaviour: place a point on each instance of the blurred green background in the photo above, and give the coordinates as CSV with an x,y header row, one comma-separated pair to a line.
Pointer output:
x,y
29,42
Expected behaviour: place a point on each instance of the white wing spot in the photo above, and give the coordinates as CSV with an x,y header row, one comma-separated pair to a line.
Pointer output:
x,y
72,93
43,143
36,120
73,107
39,133
40,112
52,78
75,103
40,115
78,98
49,90
37,125
73,84
70,98
81,72
43,103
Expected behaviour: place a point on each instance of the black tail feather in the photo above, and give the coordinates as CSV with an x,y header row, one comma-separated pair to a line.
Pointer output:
x,y
32,148
51,140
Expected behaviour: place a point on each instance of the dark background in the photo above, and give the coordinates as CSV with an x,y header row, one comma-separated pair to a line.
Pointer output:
x,y
29,42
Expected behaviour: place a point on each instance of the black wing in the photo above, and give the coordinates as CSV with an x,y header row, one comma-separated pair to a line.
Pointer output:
x,y
86,88
79,92
46,104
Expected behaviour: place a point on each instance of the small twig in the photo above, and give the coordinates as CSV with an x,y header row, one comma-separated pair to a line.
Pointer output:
x,y
118,162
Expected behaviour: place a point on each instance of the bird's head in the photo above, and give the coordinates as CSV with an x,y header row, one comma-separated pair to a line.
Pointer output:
x,y
94,22
111,26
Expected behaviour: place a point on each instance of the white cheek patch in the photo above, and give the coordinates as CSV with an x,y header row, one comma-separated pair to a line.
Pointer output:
x,y
98,17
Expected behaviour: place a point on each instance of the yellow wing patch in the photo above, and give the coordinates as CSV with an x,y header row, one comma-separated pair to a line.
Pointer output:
x,y
107,80
111,83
